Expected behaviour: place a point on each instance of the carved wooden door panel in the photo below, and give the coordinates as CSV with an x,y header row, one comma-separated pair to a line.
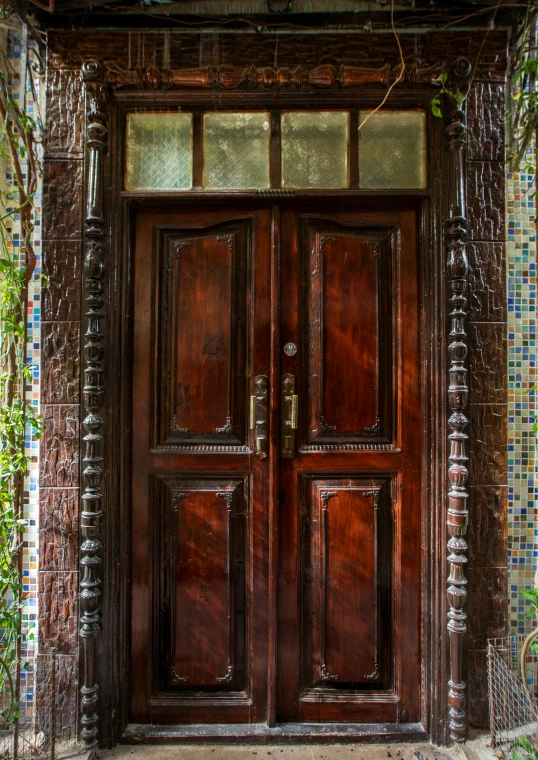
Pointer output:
x,y
349,540
201,332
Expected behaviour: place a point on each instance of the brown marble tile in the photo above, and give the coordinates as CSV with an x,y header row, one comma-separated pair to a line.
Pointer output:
x,y
65,114
62,209
66,694
58,528
485,122
61,295
60,362
488,522
487,605
488,354
488,455
58,611
478,701
59,461
69,48
487,282
485,200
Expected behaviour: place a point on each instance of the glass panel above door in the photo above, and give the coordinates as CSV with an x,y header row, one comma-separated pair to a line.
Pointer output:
x,y
159,151
315,149
220,151
236,151
392,150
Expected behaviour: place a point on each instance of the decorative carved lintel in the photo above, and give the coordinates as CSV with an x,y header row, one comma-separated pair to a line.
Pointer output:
x,y
227,77
458,391
95,253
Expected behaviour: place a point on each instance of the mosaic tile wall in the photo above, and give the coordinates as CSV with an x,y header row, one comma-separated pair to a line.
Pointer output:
x,y
522,405
12,44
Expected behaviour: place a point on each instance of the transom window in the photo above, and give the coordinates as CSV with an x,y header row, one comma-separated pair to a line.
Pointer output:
x,y
257,150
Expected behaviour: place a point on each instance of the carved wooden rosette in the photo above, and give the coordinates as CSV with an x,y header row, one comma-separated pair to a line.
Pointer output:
x,y
95,246
458,392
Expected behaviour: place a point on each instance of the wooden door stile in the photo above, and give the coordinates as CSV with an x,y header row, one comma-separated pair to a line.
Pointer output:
x,y
274,464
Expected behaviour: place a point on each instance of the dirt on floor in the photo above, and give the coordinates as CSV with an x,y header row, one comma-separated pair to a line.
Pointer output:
x,y
475,749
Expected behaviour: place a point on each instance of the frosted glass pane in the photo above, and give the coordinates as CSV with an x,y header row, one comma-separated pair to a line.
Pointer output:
x,y
159,151
315,149
392,150
236,150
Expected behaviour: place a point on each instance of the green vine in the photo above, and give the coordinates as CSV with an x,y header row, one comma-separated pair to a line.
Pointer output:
x,y
18,152
524,749
522,109
457,95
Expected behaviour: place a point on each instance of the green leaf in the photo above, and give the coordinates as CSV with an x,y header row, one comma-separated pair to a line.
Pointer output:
x,y
435,106
459,97
523,743
531,594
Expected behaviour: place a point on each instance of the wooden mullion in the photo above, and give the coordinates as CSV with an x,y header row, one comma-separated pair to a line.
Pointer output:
x,y
275,156
197,150
274,463
353,148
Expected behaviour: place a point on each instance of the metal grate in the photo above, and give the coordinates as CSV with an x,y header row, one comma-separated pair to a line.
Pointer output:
x,y
511,715
46,727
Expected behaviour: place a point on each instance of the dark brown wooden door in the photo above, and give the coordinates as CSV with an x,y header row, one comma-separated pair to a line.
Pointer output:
x,y
343,439
349,539
199,557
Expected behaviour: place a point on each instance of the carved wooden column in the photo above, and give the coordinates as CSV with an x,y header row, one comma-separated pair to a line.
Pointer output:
x,y
458,392
95,248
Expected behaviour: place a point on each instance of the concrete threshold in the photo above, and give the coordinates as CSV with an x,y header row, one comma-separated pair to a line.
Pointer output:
x,y
474,749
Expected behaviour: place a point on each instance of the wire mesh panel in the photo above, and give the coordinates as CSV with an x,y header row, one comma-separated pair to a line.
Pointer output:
x,y
392,149
46,726
159,151
236,150
512,714
315,149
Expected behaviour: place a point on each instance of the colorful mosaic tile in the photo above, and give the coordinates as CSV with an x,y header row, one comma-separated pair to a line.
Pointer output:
x,y
522,378
31,485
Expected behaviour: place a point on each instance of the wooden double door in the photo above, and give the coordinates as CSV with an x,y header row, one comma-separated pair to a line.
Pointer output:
x,y
276,529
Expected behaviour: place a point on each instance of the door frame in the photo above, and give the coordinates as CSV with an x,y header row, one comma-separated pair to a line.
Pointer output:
x,y
106,430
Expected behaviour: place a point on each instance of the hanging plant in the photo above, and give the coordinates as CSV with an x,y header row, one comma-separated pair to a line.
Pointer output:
x,y
522,110
17,416
457,95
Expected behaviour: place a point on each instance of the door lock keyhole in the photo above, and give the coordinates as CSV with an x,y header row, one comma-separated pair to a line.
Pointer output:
x,y
290,349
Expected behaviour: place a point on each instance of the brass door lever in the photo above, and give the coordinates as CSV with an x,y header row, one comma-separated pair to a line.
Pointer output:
x,y
258,416
290,414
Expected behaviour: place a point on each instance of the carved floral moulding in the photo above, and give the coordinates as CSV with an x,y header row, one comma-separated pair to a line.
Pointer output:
x,y
228,77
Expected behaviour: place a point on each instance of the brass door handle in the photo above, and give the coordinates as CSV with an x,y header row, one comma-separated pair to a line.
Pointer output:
x,y
290,415
258,416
